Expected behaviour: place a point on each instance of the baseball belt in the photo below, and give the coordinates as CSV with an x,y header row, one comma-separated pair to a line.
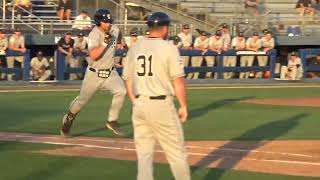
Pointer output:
x,y
102,73
161,97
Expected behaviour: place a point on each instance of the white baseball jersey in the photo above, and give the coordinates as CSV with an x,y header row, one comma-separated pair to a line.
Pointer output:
x,y
151,70
36,64
216,43
96,39
254,44
267,44
17,42
186,39
226,37
80,44
201,43
237,43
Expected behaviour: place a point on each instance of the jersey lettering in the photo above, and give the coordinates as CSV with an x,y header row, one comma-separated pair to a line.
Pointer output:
x,y
145,65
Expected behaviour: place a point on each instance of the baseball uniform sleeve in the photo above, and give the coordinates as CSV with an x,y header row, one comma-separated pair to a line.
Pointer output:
x,y
234,42
22,43
128,66
272,43
45,62
196,43
11,41
32,62
93,41
175,65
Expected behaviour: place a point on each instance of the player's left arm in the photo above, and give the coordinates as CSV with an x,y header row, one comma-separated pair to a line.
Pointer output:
x,y
128,68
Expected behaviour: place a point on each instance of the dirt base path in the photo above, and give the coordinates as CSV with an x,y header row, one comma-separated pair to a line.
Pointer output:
x,y
298,158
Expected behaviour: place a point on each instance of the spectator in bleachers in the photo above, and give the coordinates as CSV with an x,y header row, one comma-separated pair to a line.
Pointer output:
x,y
215,45
81,49
17,46
305,7
267,44
256,7
294,69
252,44
65,46
186,39
3,49
201,44
40,68
238,44
227,60
82,22
64,9
24,4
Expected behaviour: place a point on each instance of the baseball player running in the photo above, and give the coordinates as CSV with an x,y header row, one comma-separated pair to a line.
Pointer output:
x,y
100,73
152,79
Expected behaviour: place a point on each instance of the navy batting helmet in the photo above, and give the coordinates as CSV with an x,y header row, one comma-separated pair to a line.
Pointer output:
x,y
102,15
158,19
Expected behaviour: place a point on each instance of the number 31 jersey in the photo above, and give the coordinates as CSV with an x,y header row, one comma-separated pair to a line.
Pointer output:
x,y
152,64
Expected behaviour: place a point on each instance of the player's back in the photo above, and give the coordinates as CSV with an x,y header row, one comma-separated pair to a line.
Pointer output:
x,y
153,65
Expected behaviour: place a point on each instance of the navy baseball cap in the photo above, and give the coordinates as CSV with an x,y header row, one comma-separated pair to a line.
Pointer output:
x,y
176,38
186,26
68,33
240,34
294,53
80,34
203,33
17,30
255,34
225,25
40,53
133,33
218,33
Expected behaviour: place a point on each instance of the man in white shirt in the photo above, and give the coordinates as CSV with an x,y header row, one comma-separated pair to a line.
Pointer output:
x,y
294,69
186,40
82,22
201,44
40,68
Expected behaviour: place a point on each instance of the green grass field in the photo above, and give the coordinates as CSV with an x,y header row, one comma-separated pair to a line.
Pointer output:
x,y
215,114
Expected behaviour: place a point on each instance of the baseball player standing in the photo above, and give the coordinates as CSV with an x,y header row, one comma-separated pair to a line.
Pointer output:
x,y
267,43
3,49
252,44
100,73
238,44
17,45
201,44
228,61
186,39
215,45
152,79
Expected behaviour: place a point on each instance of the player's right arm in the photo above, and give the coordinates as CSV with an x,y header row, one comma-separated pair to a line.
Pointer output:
x,y
96,50
176,72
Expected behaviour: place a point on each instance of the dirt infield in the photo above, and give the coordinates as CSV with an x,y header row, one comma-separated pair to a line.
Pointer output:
x,y
302,102
299,158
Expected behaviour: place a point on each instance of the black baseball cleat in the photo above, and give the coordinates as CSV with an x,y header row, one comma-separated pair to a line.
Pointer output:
x,y
67,123
115,127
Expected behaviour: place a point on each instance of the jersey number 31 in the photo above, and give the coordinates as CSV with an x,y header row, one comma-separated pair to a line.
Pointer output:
x,y
145,65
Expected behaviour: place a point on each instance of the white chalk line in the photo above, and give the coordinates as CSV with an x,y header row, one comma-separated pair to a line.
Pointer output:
x,y
190,147
160,151
191,88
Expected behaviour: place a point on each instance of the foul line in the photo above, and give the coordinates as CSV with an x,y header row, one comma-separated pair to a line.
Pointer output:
x,y
189,153
190,147
192,88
